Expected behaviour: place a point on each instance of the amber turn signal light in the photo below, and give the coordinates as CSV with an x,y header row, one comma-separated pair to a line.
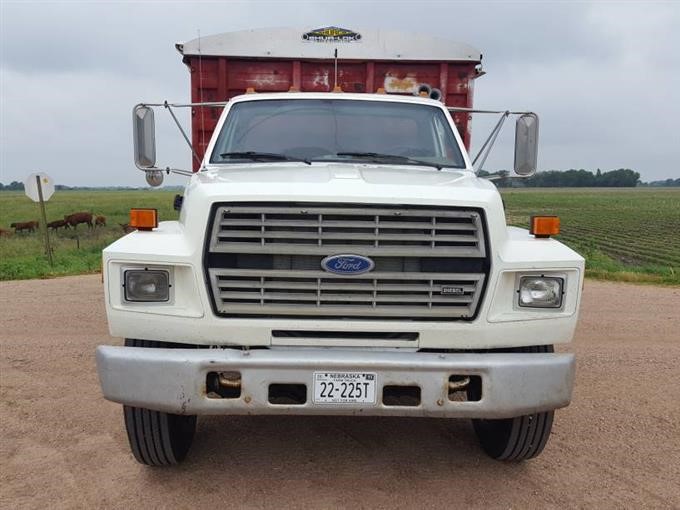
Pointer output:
x,y
545,226
143,219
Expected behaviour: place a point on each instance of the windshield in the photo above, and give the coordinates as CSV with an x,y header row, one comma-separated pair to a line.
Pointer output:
x,y
337,130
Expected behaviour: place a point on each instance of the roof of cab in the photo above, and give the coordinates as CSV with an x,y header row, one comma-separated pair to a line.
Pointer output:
x,y
371,44
338,95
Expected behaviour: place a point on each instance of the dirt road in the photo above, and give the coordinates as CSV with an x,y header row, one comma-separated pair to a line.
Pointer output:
x,y
63,446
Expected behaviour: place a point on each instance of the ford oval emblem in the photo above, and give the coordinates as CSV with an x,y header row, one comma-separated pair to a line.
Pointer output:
x,y
347,264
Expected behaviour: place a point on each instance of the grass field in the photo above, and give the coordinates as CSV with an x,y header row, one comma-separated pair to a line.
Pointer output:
x,y
625,234
75,251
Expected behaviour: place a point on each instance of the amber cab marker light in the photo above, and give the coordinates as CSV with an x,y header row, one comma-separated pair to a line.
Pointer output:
x,y
545,226
144,219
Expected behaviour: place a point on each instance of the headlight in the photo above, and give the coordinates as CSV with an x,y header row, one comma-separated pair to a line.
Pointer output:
x,y
540,291
147,285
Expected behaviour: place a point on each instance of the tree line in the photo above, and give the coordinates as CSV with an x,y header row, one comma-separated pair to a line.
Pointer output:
x,y
12,186
620,178
665,183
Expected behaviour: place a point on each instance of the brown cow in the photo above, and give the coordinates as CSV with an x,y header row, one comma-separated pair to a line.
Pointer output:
x,y
127,228
31,226
79,217
57,224
100,221
5,232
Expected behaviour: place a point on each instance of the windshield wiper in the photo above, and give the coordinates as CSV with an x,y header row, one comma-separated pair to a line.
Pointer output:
x,y
262,156
393,157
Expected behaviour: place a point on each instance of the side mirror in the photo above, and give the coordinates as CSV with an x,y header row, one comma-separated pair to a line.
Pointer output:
x,y
526,144
144,134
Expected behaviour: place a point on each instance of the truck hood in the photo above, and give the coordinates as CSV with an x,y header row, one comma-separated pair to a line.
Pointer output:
x,y
342,182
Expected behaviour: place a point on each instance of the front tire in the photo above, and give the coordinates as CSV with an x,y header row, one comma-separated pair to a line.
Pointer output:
x,y
520,438
157,438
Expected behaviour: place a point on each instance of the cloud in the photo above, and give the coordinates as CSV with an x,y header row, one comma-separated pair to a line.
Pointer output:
x,y
602,76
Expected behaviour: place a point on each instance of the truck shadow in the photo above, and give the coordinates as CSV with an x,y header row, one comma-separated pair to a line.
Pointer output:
x,y
305,440
298,451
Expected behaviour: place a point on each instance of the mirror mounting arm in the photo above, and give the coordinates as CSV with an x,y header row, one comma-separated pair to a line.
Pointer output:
x,y
154,175
168,106
178,171
488,144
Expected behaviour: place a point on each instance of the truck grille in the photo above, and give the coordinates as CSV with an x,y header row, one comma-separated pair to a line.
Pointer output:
x,y
265,260
404,295
400,231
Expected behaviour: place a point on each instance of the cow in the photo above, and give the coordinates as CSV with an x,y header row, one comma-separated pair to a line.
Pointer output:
x,y
127,228
5,232
79,217
57,224
30,226
100,221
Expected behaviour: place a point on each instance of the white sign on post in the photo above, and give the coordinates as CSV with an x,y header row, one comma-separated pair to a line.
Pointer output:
x,y
31,186
39,187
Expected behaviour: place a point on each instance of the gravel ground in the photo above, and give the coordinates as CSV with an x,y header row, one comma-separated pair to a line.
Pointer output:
x,y
64,446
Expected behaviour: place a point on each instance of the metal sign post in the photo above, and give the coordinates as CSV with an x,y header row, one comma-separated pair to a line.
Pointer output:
x,y
44,221
39,188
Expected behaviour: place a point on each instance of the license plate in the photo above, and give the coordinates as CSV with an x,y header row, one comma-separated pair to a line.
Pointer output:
x,y
344,388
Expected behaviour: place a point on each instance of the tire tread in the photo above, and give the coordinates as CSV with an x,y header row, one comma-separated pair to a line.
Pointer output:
x,y
522,437
152,434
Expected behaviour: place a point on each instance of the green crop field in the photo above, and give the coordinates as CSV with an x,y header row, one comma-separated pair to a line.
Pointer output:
x,y
625,234
630,234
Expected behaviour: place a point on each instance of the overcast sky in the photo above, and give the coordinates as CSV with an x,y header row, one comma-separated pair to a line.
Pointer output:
x,y
603,76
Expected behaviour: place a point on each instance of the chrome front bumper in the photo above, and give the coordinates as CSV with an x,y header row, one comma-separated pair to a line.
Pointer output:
x,y
174,380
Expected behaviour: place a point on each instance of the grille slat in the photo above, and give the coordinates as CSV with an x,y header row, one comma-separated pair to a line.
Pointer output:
x,y
364,298
368,225
360,247
366,287
293,210
394,275
232,234
267,261
294,310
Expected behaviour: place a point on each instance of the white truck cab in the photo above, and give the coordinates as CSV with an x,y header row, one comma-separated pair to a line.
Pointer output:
x,y
336,254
